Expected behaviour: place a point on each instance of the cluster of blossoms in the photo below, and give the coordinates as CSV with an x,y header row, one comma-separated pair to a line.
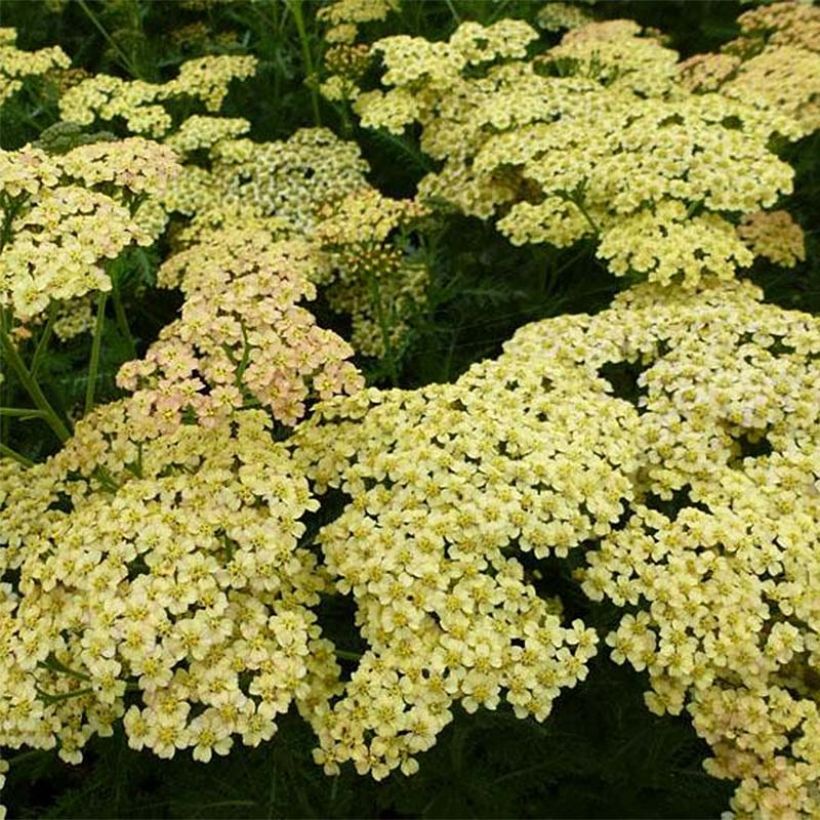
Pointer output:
x,y
594,137
241,335
445,484
313,186
16,65
727,621
777,61
287,186
65,214
159,584
556,16
343,17
373,278
773,235
533,452
346,60
139,103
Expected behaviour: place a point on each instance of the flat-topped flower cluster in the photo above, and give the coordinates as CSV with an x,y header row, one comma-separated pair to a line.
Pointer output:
x,y
605,135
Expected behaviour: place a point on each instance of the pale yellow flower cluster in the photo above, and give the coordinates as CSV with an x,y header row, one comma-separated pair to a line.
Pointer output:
x,y
199,132
4,767
347,64
666,242
775,236
16,65
73,317
618,54
556,16
446,483
241,335
597,136
778,55
730,620
312,186
139,103
66,214
345,16
534,452
280,187
176,601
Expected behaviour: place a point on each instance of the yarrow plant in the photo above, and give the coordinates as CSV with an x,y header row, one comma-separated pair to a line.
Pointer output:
x,y
533,453
17,65
593,137
168,561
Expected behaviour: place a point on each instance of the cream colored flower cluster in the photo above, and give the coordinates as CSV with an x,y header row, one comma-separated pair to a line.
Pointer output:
x,y
446,484
728,621
176,601
312,186
289,179
775,236
597,136
16,65
774,64
241,335
139,103
556,16
534,452
345,16
617,53
64,215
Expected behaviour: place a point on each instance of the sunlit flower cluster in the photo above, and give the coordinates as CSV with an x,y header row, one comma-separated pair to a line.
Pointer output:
x,y
720,547
140,104
64,215
176,600
16,65
587,430
596,135
444,486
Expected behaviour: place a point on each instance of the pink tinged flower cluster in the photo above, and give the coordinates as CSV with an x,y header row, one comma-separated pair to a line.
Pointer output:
x,y
252,343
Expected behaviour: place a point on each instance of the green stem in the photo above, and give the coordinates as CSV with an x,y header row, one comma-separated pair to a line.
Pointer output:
x,y
109,39
53,665
31,386
295,7
122,321
96,346
348,656
579,204
44,339
17,759
21,412
104,477
18,457
389,357
50,699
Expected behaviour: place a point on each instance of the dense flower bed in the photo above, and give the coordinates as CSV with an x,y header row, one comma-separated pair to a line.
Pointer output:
x,y
167,548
